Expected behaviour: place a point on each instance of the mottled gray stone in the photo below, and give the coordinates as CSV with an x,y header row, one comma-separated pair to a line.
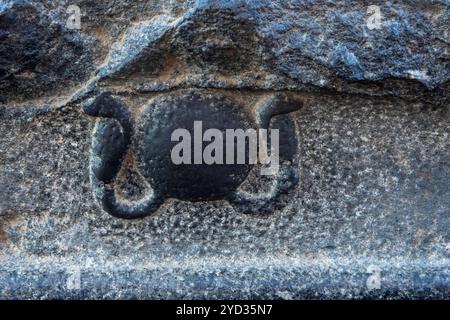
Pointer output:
x,y
373,139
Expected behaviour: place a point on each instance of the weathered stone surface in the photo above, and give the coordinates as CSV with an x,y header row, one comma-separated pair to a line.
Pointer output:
x,y
370,146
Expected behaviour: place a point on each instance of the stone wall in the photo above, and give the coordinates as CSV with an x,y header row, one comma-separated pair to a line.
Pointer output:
x,y
369,144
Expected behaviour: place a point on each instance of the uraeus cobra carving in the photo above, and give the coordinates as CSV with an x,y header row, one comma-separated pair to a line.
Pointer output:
x,y
116,131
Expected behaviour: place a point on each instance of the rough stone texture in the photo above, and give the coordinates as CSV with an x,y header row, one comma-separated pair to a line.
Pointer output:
x,y
373,139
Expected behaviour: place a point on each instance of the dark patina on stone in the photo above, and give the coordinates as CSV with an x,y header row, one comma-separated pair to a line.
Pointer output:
x,y
192,181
